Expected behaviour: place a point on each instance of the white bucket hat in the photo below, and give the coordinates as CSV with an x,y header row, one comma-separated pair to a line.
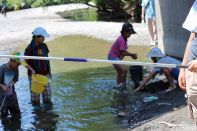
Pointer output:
x,y
40,31
155,52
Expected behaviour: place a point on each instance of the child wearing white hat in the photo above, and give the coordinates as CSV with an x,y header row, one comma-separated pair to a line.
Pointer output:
x,y
37,47
171,73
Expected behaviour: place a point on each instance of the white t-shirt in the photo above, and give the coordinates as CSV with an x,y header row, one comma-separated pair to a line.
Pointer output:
x,y
191,20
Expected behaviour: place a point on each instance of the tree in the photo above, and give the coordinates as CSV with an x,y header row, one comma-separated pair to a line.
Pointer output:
x,y
117,9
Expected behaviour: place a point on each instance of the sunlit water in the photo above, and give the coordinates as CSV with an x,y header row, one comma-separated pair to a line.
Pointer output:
x,y
82,93
82,100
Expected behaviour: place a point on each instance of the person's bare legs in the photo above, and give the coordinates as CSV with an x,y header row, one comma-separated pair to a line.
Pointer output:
x,y
170,79
3,11
150,29
121,74
154,32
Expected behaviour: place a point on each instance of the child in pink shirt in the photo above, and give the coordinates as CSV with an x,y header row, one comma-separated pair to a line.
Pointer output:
x,y
119,50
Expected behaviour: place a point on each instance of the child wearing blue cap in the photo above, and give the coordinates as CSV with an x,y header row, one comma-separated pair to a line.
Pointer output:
x,y
37,47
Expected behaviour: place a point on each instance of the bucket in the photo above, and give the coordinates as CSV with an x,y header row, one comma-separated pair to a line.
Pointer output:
x,y
37,87
136,73
38,83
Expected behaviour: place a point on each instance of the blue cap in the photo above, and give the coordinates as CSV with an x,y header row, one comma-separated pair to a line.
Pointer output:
x,y
40,31
155,52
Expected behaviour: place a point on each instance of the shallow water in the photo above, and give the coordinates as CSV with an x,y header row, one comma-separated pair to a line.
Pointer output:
x,y
82,100
89,14
83,95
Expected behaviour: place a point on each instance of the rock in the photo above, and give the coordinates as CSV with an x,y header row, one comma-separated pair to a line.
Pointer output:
x,y
122,114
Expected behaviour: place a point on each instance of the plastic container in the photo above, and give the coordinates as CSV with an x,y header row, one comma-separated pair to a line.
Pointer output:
x,y
38,83
150,98
37,87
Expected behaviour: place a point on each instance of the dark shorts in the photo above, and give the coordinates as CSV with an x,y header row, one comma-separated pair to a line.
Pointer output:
x,y
12,109
175,73
10,106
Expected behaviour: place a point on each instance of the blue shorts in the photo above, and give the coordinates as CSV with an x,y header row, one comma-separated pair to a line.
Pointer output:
x,y
113,58
175,73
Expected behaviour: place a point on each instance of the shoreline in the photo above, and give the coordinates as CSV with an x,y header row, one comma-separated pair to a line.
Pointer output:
x,y
18,25
176,120
17,28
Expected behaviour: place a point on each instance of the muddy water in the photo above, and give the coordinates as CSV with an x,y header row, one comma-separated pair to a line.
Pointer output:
x,y
82,100
83,95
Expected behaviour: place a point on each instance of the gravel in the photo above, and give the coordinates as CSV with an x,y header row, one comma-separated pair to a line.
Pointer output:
x,y
16,28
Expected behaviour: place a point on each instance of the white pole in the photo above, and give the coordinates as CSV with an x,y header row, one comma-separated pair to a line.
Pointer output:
x,y
134,63
32,57
96,60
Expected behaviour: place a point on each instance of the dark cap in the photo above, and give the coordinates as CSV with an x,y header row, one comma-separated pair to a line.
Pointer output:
x,y
127,27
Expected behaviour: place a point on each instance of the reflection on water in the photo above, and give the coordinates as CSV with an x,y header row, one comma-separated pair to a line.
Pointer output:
x,y
90,14
87,98
11,123
45,118
82,100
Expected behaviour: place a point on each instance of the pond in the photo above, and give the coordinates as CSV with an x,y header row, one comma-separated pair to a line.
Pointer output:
x,y
83,94
90,14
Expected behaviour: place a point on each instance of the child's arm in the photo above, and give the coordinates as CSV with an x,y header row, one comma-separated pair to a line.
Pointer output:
x,y
11,83
146,80
30,68
182,74
3,87
126,53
